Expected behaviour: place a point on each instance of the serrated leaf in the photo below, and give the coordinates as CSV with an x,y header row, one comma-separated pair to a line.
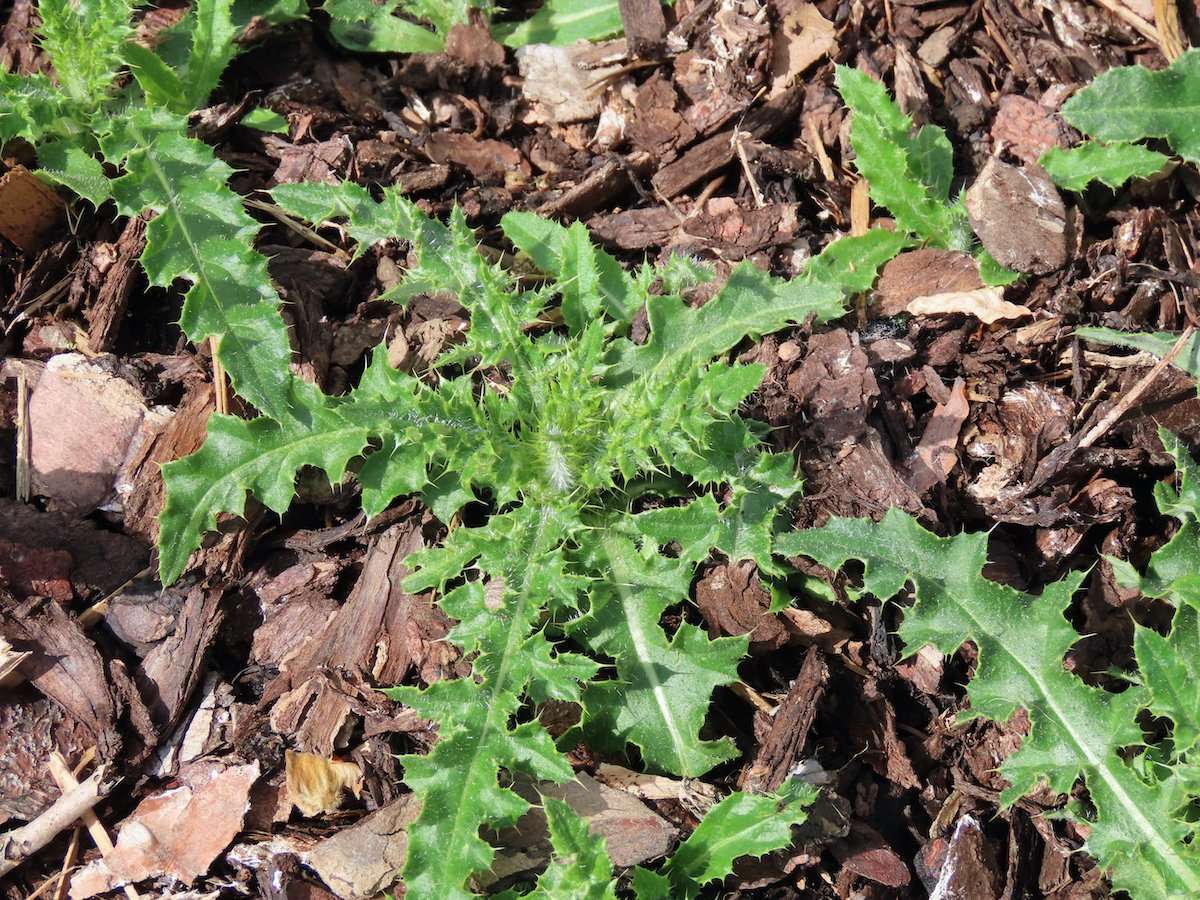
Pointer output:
x,y
1076,730
69,165
84,42
31,107
203,234
908,173
581,869
458,780
851,264
1173,572
750,304
648,885
661,694
160,84
740,825
992,273
210,25
1156,343
743,530
1170,670
262,119
563,22
238,456
1110,164
370,27
1130,103
546,243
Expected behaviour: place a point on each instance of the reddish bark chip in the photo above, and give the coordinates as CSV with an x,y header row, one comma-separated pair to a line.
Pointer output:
x,y
1027,129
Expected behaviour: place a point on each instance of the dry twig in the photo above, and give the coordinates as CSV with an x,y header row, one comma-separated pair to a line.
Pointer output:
x,y
18,845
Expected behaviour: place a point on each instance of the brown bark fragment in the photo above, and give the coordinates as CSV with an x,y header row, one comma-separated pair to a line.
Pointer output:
x,y
29,209
65,666
789,728
645,27
171,671
374,638
718,151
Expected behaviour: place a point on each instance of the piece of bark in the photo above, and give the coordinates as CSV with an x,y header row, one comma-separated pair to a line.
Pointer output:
x,y
472,45
366,859
936,454
865,853
645,27
378,634
29,209
65,666
919,273
733,602
488,160
18,845
602,182
1020,217
705,158
103,283
172,670
793,717
182,436
31,727
1027,128
176,833
967,869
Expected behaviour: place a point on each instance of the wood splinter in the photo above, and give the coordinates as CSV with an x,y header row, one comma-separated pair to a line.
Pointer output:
x,y
77,802
61,772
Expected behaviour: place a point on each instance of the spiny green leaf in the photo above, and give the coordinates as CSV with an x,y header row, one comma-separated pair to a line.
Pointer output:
x,y
31,107
907,173
1110,164
1075,730
992,273
743,530
1156,343
581,869
84,41
1130,103
661,693
259,456
212,29
563,22
750,304
851,264
1184,501
740,825
69,165
457,781
546,243
1170,670
262,119
370,27
374,28
202,234
1173,572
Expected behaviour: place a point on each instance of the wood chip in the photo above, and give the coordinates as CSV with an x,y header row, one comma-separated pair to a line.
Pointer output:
x,y
29,209
1020,217
986,304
